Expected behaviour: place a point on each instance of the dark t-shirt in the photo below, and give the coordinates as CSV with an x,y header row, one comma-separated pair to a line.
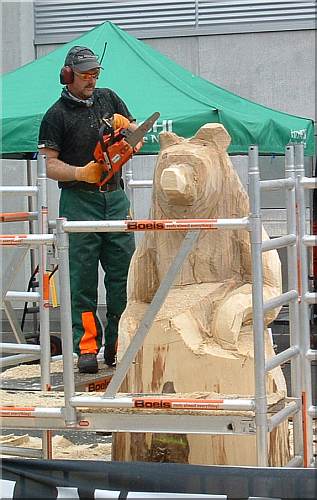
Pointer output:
x,y
71,127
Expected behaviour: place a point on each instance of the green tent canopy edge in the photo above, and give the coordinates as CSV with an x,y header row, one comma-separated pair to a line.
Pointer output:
x,y
149,82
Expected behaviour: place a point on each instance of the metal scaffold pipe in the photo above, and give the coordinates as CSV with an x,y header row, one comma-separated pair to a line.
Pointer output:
x,y
310,241
277,184
18,190
26,296
280,242
62,245
20,348
310,297
29,240
140,184
282,299
43,277
293,307
18,216
160,403
257,307
311,354
17,359
308,183
154,225
283,414
304,338
45,353
18,451
282,357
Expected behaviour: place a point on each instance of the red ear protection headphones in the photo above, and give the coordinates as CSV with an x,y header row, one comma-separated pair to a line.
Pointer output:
x,y
66,75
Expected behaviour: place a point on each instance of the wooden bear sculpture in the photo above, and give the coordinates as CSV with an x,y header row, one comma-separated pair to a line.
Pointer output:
x,y
201,339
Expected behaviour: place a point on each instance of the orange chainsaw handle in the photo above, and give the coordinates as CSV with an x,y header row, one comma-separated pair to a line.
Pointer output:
x,y
104,141
99,153
118,154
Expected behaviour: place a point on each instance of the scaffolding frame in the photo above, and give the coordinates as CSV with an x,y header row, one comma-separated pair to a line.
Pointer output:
x,y
22,351
306,299
298,405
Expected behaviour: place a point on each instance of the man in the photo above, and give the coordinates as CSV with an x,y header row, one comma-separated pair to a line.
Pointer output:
x,y
68,136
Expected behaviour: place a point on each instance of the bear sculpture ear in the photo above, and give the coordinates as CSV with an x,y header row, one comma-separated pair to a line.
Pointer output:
x,y
214,133
169,139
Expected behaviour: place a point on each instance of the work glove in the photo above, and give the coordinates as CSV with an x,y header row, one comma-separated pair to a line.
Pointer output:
x,y
89,173
120,121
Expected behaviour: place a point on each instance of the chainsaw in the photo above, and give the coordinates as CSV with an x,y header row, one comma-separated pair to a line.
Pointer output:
x,y
116,147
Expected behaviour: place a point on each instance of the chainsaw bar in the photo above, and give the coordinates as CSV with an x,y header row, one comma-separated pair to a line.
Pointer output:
x,y
137,135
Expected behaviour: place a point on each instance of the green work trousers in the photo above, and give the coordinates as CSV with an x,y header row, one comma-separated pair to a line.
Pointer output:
x,y
112,250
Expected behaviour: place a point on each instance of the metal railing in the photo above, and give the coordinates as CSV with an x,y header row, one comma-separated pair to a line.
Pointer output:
x,y
22,351
261,366
306,298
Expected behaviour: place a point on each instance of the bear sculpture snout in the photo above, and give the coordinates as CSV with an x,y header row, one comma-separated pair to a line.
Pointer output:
x,y
178,185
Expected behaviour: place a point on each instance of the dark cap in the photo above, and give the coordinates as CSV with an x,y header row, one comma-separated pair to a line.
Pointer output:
x,y
81,59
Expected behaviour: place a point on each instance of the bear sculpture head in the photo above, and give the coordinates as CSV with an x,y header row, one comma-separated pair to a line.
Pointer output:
x,y
194,178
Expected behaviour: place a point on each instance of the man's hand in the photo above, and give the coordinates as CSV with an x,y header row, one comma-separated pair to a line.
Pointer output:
x,y
120,121
89,173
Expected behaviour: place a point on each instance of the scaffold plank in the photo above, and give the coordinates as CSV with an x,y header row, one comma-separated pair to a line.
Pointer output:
x,y
28,377
44,410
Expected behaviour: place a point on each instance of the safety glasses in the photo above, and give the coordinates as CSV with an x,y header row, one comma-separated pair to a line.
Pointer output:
x,y
88,76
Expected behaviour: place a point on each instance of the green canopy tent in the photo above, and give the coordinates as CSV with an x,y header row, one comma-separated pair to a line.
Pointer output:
x,y
148,81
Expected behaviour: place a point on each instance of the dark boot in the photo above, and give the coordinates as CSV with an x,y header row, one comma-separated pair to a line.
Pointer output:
x,y
87,363
110,355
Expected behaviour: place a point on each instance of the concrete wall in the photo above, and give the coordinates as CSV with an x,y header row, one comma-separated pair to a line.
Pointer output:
x,y
17,49
17,34
276,69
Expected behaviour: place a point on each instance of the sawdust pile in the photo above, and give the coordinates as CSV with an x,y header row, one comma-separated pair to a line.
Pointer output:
x,y
31,371
62,447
